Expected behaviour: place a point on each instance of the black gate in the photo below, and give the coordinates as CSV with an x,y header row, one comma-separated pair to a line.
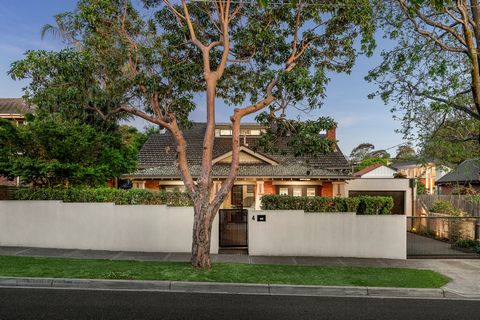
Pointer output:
x,y
233,228
443,237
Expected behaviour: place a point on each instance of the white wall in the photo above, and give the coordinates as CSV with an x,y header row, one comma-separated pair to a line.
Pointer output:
x,y
385,184
98,226
295,233
380,172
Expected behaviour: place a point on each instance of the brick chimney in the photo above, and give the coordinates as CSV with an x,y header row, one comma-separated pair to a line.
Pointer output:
x,y
332,134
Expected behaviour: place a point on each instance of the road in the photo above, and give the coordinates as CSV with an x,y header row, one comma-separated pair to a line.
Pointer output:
x,y
18,303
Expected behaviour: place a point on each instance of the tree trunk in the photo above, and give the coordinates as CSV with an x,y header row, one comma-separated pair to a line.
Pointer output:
x,y
202,231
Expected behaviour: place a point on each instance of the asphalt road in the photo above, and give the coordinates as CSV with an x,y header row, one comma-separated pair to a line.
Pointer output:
x,y
19,303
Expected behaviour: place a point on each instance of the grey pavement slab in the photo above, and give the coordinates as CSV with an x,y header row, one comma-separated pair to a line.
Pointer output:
x,y
234,258
177,257
272,260
93,254
319,261
144,256
45,252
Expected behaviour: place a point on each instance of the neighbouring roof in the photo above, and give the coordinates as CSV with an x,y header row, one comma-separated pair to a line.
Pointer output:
x,y
411,163
368,169
157,158
467,172
13,106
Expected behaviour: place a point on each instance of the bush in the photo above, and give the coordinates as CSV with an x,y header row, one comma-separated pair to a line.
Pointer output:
x,y
445,207
117,196
467,243
360,205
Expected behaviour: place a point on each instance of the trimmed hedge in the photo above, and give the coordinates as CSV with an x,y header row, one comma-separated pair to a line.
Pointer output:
x,y
117,196
363,205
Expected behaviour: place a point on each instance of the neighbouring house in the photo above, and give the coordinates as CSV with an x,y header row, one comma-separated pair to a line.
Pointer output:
x,y
465,178
427,172
377,170
260,173
379,180
13,109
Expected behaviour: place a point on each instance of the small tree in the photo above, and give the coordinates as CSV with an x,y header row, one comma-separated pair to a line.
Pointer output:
x,y
255,58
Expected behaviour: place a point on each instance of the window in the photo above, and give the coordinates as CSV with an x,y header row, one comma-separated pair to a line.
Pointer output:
x,y
297,191
311,192
225,132
283,191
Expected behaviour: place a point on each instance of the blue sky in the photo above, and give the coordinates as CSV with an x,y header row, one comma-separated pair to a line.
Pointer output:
x,y
359,119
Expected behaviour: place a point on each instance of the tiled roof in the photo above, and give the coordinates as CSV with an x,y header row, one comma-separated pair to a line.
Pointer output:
x,y
159,156
266,171
467,172
13,106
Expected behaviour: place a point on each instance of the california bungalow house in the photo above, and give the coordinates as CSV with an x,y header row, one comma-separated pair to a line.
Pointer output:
x,y
260,173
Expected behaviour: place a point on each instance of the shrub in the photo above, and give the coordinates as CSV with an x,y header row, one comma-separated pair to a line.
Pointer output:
x,y
360,205
445,207
467,243
117,196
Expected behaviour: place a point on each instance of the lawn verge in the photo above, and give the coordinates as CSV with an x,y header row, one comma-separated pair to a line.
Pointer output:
x,y
14,266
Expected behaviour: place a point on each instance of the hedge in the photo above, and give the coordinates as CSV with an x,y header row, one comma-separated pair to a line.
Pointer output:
x,y
117,196
362,205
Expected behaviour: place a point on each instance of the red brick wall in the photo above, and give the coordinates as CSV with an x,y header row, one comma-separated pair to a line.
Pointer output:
x,y
327,189
152,185
5,182
268,187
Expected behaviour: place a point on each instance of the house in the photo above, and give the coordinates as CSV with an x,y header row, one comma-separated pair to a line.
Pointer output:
x,y
377,170
381,180
260,173
465,176
426,172
13,109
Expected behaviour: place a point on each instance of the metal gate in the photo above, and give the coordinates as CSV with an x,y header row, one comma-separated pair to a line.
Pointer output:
x,y
443,237
233,228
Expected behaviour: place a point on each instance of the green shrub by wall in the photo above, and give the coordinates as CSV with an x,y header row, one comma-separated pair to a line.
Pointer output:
x,y
445,207
364,205
117,196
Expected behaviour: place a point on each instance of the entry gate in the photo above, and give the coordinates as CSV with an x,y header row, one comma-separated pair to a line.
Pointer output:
x,y
443,236
233,228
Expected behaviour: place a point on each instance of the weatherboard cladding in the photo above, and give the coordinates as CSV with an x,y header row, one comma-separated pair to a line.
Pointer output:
x,y
157,158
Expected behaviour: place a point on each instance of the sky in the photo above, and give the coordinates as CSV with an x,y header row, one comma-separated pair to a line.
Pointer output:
x,y
359,118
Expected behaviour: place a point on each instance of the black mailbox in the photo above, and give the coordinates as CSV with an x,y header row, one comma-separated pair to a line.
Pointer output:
x,y
261,217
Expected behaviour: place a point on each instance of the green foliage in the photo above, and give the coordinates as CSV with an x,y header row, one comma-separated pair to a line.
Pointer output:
x,y
370,161
445,207
467,243
303,137
117,196
421,189
405,153
364,205
50,151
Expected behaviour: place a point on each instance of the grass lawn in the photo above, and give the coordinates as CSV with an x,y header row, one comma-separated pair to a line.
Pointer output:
x,y
220,272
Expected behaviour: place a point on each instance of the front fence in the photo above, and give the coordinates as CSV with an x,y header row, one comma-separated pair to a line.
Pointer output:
x,y
443,236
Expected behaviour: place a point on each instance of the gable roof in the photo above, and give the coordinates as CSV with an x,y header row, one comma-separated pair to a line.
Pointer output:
x,y
158,158
467,172
255,155
13,106
368,169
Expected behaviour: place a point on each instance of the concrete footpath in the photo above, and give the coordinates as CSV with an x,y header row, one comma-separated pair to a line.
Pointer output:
x,y
464,274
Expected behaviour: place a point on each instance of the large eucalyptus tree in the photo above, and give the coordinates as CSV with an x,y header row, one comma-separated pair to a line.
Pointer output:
x,y
152,62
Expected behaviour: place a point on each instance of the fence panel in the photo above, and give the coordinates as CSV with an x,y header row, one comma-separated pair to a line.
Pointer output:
x,y
424,202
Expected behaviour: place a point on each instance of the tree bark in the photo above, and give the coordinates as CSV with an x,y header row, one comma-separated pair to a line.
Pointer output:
x,y
202,231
